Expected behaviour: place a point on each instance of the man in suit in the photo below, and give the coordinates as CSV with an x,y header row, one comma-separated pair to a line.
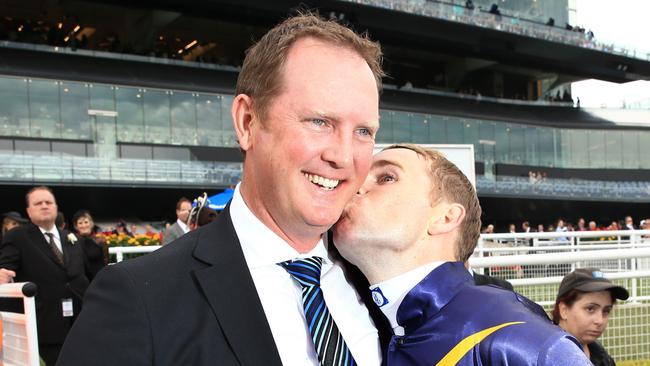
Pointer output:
x,y
179,228
409,229
53,259
229,293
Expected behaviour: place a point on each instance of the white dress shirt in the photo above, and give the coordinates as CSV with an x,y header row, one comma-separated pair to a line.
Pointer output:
x,y
183,226
281,296
57,238
395,289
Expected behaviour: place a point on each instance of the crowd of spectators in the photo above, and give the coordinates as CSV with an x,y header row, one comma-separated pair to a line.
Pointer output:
x,y
560,225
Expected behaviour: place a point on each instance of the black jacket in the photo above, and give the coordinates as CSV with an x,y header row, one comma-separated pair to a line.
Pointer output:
x,y
25,251
170,308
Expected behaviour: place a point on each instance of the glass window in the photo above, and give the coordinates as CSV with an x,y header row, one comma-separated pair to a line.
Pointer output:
x,y
32,145
102,97
75,121
437,129
517,144
135,152
157,116
613,149
547,150
471,136
487,143
454,128
44,108
208,116
14,112
579,140
630,149
502,147
229,136
419,129
183,118
596,148
130,114
6,145
171,153
69,148
531,146
385,134
401,127
644,149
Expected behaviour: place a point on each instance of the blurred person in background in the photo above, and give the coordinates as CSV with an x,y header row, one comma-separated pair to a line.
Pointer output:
x,y
60,221
120,228
581,224
629,224
584,302
179,228
11,220
94,246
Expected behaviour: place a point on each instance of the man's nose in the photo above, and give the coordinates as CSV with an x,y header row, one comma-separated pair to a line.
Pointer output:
x,y
340,150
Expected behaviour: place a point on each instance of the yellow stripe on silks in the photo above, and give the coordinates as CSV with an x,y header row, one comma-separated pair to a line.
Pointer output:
x,y
470,341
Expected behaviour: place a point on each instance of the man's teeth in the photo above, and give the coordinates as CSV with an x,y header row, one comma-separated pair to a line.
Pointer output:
x,y
323,182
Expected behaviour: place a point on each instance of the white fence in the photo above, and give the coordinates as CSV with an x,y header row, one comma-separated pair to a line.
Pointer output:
x,y
19,334
535,264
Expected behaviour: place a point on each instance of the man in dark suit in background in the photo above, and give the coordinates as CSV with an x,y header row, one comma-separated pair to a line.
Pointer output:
x,y
229,293
179,228
52,259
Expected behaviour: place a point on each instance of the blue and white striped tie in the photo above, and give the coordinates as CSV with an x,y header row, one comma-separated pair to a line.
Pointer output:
x,y
328,341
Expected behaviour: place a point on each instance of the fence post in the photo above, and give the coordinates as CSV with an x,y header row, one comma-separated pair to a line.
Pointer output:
x,y
633,240
119,256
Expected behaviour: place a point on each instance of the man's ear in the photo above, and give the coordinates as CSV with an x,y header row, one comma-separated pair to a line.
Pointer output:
x,y
243,118
449,217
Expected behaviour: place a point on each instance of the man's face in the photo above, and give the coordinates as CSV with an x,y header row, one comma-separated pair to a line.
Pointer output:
x,y
312,151
392,209
42,209
184,211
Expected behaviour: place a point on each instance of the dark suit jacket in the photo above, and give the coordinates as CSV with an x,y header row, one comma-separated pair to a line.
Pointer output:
x,y
192,302
25,251
480,280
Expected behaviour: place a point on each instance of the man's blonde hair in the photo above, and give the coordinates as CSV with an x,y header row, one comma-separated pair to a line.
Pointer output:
x,y
451,185
261,74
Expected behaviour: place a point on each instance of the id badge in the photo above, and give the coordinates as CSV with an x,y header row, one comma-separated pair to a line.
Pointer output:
x,y
66,305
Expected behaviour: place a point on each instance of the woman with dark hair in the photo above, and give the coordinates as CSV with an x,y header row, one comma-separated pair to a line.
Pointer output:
x,y
582,307
94,246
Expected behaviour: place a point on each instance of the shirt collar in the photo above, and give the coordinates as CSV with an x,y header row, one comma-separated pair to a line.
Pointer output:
x,y
54,231
390,293
261,246
183,226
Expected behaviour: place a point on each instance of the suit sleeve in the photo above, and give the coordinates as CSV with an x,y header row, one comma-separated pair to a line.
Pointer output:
x,y
10,255
113,326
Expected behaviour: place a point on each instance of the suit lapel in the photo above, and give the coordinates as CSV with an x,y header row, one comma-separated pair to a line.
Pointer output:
x,y
38,239
229,289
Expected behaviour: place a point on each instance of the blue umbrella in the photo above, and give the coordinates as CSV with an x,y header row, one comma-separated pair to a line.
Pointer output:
x,y
219,201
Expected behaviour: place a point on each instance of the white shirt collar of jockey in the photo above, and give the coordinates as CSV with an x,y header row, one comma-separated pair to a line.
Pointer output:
x,y
388,295
263,247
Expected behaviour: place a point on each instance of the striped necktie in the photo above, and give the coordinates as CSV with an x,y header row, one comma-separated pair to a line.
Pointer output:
x,y
328,341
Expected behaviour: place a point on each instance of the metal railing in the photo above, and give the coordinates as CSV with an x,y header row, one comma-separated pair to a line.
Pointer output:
x,y
535,263
35,167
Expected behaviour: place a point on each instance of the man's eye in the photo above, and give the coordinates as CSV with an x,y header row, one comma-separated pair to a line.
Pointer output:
x,y
318,122
386,178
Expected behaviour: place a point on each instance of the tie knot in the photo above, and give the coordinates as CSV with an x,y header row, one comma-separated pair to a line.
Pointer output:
x,y
304,270
51,235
